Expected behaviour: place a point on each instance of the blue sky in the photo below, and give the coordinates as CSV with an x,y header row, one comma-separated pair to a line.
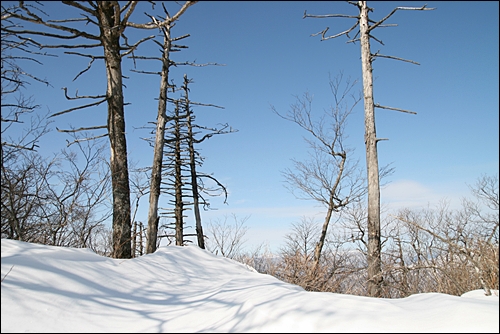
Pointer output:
x,y
269,57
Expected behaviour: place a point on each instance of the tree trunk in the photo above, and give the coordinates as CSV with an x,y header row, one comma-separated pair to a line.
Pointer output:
x,y
156,169
179,204
110,36
134,240
321,242
374,246
192,165
331,208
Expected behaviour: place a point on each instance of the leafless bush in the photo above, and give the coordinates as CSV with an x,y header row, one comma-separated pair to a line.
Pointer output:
x,y
448,251
225,238
60,201
436,249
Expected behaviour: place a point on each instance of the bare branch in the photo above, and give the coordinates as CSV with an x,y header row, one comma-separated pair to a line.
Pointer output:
x,y
328,15
133,47
84,129
205,104
80,6
145,72
75,33
76,108
57,46
76,141
81,97
129,11
218,183
393,11
197,65
346,32
392,57
376,39
168,21
397,109
89,65
184,7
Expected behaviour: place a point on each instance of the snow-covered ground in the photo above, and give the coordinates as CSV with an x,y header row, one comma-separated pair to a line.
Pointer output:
x,y
187,289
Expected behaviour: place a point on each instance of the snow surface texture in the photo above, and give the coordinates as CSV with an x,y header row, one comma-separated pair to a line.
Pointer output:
x,y
187,289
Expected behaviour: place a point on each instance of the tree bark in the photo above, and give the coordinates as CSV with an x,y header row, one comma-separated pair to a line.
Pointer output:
x,y
374,245
108,13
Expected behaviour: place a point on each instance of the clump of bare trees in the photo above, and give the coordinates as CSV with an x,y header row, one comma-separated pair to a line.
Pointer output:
x,y
60,201
226,238
435,249
452,251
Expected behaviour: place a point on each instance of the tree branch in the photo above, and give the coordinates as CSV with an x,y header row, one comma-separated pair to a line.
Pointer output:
x,y
397,109
393,11
76,108
84,129
392,57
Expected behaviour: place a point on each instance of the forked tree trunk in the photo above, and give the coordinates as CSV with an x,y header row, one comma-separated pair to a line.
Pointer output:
x,y
109,23
374,245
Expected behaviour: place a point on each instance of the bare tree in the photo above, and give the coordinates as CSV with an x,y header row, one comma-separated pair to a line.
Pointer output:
x,y
327,177
228,239
339,268
16,107
59,201
161,121
463,246
182,180
364,33
111,27
198,186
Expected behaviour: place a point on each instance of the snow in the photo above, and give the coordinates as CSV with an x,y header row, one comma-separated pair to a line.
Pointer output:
x,y
187,289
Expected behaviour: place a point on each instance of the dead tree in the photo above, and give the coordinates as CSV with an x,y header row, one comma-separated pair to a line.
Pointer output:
x,y
197,187
111,27
364,33
192,166
181,179
167,47
161,121
173,171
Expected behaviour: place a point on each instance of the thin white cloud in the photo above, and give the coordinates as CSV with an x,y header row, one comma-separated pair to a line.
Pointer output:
x,y
413,194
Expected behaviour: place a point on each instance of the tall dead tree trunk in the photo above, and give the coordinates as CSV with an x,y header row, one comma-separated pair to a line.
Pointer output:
x,y
374,246
192,167
178,182
156,168
161,121
374,284
108,14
